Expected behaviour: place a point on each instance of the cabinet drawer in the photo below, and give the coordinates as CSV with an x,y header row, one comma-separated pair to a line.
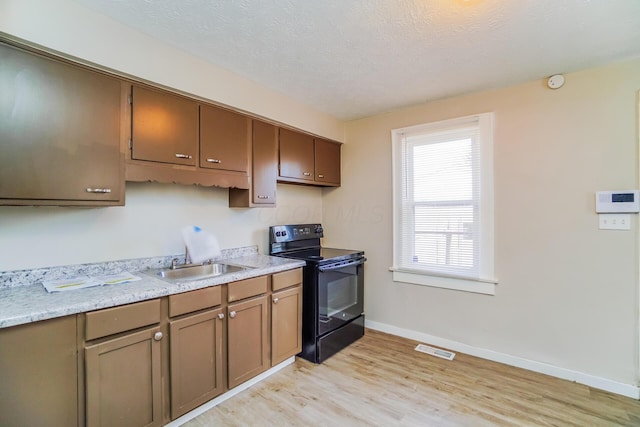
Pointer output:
x,y
194,300
286,279
119,319
247,288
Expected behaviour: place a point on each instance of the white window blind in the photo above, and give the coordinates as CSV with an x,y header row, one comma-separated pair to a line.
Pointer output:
x,y
443,197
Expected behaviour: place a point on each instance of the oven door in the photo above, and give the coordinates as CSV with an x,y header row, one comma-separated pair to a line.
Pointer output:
x,y
340,294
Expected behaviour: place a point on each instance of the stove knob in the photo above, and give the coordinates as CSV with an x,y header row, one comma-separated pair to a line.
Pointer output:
x,y
284,233
318,230
278,234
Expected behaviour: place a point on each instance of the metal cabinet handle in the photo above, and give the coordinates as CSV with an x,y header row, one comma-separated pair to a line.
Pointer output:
x,y
157,336
220,316
183,156
214,161
232,314
320,175
98,190
306,173
262,197
275,300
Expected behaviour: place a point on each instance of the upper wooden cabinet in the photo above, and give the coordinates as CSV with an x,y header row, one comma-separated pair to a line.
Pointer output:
x,y
304,159
264,167
175,139
296,155
327,161
224,138
59,133
164,127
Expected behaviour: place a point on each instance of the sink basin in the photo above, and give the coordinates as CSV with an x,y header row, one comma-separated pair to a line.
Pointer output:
x,y
197,272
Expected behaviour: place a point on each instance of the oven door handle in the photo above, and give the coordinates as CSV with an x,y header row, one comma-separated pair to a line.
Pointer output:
x,y
338,266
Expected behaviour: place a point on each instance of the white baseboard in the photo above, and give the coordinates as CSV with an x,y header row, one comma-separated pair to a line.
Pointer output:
x,y
228,395
628,390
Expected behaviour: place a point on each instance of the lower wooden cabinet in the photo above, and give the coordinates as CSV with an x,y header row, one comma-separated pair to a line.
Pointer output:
x,y
247,339
286,324
39,374
197,360
124,381
115,367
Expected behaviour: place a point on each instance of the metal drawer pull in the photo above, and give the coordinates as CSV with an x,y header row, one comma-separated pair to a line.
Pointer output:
x,y
214,161
98,190
275,300
220,316
306,173
320,175
157,336
262,197
183,156
232,314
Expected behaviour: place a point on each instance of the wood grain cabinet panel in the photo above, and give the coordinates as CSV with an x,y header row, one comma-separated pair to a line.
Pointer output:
x,y
264,169
197,360
164,127
59,133
286,324
265,163
123,381
188,302
39,374
296,155
327,161
304,159
247,340
224,139
286,279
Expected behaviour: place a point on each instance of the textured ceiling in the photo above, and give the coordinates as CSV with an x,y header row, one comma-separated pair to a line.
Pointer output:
x,y
356,58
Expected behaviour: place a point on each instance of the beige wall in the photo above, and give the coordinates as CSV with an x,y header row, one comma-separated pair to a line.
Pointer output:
x,y
568,291
150,222
149,225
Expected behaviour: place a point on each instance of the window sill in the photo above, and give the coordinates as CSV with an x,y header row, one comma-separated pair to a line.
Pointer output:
x,y
458,284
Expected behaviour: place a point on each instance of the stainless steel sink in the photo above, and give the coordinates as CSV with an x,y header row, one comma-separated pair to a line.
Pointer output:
x,y
196,272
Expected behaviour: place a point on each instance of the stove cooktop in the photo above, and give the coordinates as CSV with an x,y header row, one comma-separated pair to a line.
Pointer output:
x,y
323,254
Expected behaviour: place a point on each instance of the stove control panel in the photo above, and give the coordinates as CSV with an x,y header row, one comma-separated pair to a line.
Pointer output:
x,y
290,233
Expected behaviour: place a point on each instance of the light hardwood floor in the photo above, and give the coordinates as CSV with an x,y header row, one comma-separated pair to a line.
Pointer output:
x,y
382,381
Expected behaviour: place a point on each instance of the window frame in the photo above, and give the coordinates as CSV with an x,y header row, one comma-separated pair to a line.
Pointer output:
x,y
485,283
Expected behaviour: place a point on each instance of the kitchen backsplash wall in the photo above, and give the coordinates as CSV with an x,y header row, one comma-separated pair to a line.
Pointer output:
x,y
148,225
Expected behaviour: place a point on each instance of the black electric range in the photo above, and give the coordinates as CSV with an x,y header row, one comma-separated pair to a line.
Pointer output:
x,y
333,289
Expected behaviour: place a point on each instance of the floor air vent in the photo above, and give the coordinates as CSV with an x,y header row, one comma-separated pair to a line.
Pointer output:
x,y
445,354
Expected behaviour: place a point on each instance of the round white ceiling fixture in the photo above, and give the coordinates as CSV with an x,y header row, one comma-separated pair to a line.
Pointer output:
x,y
556,81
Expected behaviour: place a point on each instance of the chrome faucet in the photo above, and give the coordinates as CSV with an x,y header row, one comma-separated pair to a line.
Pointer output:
x,y
187,261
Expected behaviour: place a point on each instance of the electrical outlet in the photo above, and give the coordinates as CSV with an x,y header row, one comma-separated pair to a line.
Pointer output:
x,y
614,221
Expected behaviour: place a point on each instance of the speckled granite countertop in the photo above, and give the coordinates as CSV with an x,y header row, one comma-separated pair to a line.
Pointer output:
x,y
23,298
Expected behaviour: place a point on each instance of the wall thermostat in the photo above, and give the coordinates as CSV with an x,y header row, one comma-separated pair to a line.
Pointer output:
x,y
626,201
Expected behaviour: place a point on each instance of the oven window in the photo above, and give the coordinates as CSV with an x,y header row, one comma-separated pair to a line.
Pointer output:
x,y
339,294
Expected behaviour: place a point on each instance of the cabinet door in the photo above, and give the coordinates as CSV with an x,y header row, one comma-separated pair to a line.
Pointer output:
x,y
39,374
327,161
197,362
164,127
265,163
59,132
224,139
247,340
296,155
286,324
123,381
